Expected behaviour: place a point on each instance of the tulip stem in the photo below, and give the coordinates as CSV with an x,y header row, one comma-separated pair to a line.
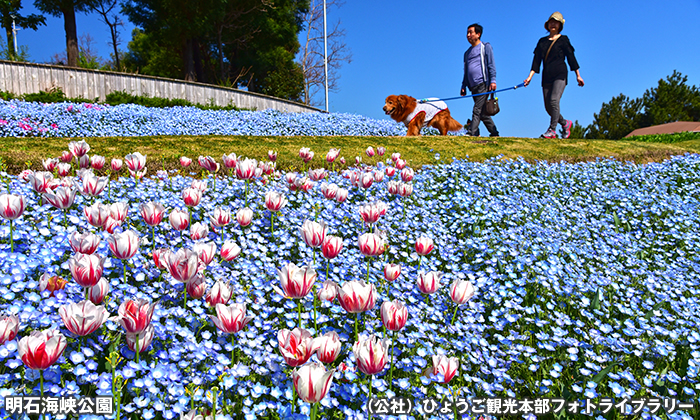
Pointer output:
x,y
272,223
370,393
233,349
454,315
315,326
222,236
391,366
299,307
65,218
138,350
41,388
12,243
368,260
245,195
124,262
153,238
357,316
184,303
314,411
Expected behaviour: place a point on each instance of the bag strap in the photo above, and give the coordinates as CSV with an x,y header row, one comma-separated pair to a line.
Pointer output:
x,y
550,49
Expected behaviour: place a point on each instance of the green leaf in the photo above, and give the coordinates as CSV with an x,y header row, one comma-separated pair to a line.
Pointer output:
x,y
603,373
595,303
656,307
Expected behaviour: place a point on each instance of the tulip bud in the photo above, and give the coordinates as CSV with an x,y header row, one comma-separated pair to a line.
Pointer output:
x,y
461,291
296,346
392,271
394,315
230,251
97,293
220,293
331,247
244,216
179,219
9,326
424,245
371,355
328,347
429,283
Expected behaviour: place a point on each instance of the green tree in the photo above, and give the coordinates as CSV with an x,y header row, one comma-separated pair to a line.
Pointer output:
x,y
9,13
672,100
149,55
616,118
67,9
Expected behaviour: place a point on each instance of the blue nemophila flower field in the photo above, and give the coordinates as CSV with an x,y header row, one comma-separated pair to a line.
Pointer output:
x,y
34,119
586,279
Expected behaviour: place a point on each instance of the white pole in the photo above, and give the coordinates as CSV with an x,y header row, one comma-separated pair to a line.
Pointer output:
x,y
14,33
325,52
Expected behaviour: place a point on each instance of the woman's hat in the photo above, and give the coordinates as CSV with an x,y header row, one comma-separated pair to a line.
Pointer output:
x,y
558,17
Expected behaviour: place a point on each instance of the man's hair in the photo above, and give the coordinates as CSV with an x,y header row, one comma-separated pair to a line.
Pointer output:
x,y
477,28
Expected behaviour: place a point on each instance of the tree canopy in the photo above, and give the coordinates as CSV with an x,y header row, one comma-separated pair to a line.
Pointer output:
x,y
672,100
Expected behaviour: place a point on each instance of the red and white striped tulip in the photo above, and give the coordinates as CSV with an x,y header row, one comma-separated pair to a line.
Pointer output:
x,y
393,187
312,382
274,201
86,269
296,346
11,206
424,245
445,366
381,150
405,190
407,174
199,231
116,164
97,214
182,265
61,198
392,271
395,156
97,293
371,212
245,169
306,154
394,315
461,291
430,282
41,181
144,339
152,213
63,169
357,296
332,155
136,315
197,287
160,258
119,211
369,151
79,148
206,251
317,174
328,291
51,283
191,196
341,195
82,318
313,233
400,164
366,180
331,247
49,164
219,293
220,217
124,245
112,225
41,349
209,163
179,219
371,355
272,155
185,161
378,176
97,162
329,190
93,185
244,216
371,244
390,171
66,156
136,162
232,318
84,243
9,326
230,251
328,347
296,282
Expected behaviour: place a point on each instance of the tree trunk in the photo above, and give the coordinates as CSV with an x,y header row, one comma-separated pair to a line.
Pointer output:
x,y
115,35
197,59
188,63
71,34
10,43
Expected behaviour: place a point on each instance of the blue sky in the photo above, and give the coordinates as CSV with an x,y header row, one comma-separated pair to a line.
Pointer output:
x,y
414,48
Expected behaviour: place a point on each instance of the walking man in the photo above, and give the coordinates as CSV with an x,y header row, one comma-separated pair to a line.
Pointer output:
x,y
479,77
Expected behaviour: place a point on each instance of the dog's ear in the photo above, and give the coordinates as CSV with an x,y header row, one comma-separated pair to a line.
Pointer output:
x,y
403,100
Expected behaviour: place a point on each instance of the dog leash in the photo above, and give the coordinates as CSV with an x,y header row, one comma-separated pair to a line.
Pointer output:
x,y
470,96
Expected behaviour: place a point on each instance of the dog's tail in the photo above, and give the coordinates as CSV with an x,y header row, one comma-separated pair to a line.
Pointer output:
x,y
452,124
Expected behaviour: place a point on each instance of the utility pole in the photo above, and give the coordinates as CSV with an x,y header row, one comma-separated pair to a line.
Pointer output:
x,y
325,52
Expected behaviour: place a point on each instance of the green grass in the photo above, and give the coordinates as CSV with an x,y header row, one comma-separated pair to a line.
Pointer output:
x,y
163,152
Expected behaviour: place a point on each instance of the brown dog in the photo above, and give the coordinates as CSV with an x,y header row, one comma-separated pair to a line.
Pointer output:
x,y
406,109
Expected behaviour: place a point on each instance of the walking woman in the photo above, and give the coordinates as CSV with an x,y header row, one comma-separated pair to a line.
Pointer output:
x,y
551,51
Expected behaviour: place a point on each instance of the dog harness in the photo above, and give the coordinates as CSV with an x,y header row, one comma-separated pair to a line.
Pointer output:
x,y
431,109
